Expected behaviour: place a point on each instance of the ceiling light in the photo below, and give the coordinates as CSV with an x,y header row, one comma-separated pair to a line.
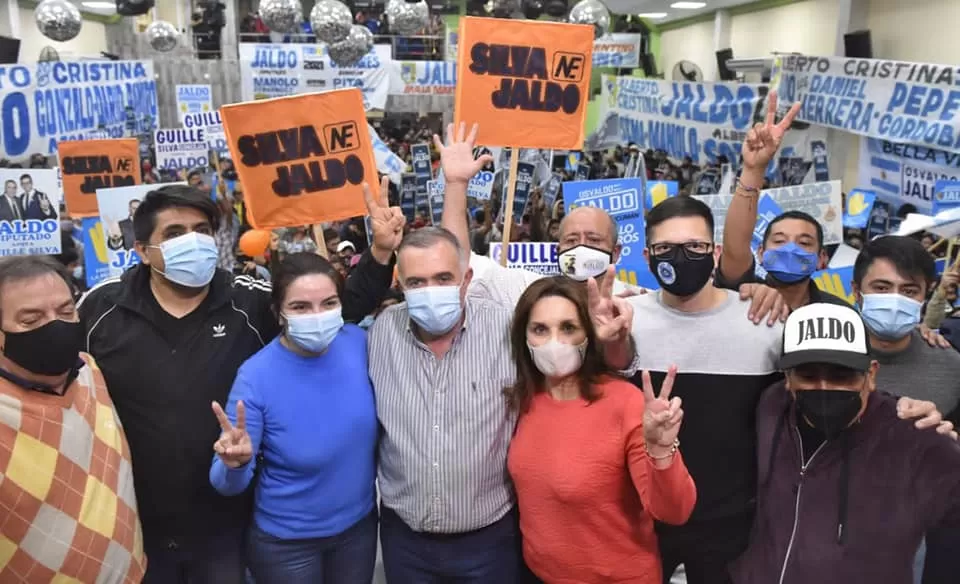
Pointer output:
x,y
653,15
100,5
688,5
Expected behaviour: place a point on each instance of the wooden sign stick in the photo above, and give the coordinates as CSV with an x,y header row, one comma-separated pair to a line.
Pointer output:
x,y
508,209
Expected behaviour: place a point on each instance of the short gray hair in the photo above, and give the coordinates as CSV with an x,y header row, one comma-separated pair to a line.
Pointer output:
x,y
427,237
29,267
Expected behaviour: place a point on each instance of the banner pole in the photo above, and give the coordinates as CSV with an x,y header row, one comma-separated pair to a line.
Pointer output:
x,y
321,241
508,208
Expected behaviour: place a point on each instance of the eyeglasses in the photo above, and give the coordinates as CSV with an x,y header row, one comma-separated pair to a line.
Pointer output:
x,y
693,250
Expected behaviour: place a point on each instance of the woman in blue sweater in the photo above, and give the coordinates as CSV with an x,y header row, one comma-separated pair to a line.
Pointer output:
x,y
305,403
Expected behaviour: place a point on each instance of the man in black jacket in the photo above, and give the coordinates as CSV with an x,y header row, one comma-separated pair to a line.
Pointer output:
x,y
169,336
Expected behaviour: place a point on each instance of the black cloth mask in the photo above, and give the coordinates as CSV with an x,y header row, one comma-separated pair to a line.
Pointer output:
x,y
682,273
829,411
52,349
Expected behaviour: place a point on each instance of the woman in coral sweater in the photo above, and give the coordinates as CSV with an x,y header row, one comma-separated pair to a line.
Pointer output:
x,y
594,459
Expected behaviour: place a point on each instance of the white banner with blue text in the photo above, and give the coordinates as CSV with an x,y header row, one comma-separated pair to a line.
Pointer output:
x,y
422,77
535,256
909,103
29,207
904,174
278,70
181,148
45,103
702,121
194,99
618,49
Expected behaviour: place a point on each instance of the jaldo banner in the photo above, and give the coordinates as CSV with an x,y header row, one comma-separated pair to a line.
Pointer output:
x,y
90,165
532,77
908,103
302,159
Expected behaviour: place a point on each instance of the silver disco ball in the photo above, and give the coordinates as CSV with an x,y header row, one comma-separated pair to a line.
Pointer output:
x,y
407,18
353,48
281,15
504,8
331,21
591,12
58,19
163,36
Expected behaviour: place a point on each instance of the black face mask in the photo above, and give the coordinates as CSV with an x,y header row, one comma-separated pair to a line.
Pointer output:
x,y
682,273
52,349
829,411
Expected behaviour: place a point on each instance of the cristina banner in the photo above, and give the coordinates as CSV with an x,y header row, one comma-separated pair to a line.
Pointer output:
x,y
700,121
45,103
907,103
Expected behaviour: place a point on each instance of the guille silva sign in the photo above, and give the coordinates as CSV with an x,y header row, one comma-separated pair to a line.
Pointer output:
x,y
302,159
89,165
525,82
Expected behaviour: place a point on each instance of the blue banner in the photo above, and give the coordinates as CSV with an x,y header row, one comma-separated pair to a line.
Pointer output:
x,y
521,194
821,164
435,198
767,211
623,200
44,103
859,208
96,262
571,161
583,172
946,195
905,174
408,196
423,77
421,161
836,281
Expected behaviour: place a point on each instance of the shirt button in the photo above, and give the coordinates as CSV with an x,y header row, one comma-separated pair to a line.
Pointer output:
x,y
436,428
436,465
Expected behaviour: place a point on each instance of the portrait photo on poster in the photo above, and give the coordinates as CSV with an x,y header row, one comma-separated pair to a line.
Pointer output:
x,y
30,211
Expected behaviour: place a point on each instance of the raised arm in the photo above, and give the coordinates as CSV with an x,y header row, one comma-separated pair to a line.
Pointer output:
x,y
761,145
459,166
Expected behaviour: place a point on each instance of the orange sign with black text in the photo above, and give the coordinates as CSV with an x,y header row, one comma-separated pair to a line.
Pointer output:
x,y
526,82
88,165
302,159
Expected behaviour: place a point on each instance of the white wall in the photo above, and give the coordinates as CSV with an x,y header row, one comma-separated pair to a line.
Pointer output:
x,y
805,27
923,31
5,18
89,43
691,43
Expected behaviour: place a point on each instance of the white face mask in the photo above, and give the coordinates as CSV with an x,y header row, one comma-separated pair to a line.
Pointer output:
x,y
582,262
556,359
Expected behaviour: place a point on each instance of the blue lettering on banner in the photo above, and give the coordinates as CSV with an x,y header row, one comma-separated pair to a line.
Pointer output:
x,y
623,200
421,161
44,103
480,186
30,237
535,256
767,211
947,196
408,196
274,57
905,173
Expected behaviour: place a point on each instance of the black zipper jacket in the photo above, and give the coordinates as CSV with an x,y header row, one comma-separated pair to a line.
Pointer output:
x,y
162,387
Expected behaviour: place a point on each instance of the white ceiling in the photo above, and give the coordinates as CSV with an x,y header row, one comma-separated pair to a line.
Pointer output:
x,y
92,6
648,6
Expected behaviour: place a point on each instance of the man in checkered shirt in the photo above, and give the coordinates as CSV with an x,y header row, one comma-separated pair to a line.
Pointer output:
x,y
67,507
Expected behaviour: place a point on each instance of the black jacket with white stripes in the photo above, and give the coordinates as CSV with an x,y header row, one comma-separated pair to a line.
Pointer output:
x,y
163,376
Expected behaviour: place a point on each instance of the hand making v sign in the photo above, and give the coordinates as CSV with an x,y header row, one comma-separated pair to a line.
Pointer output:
x,y
661,417
233,447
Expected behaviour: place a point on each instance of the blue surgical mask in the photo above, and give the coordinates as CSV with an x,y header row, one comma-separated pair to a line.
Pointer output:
x,y
789,263
890,316
315,331
435,309
189,260
367,322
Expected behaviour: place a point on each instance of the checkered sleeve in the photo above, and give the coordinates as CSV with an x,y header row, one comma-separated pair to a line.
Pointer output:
x,y
67,488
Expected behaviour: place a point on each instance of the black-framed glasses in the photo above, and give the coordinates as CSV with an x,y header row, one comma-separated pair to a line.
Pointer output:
x,y
692,250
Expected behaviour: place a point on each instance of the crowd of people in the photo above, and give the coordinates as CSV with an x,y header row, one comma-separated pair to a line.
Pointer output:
x,y
210,417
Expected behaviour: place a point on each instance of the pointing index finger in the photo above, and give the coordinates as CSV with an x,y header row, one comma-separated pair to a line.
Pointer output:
x,y
772,108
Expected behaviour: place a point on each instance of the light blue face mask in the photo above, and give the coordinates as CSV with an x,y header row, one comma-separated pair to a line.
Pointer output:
x,y
789,263
890,316
367,322
315,331
189,260
435,309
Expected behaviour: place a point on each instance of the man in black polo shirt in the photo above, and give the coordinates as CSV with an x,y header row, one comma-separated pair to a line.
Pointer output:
x,y
169,336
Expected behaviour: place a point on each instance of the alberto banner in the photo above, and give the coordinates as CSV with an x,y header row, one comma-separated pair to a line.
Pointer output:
x,y
302,159
46,103
822,201
908,103
532,77
702,121
90,165
903,174
279,70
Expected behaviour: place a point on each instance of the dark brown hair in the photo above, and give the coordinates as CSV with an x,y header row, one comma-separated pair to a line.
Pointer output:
x,y
530,380
301,264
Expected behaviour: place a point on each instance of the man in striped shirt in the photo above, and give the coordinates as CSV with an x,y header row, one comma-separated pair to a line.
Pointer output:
x,y
439,364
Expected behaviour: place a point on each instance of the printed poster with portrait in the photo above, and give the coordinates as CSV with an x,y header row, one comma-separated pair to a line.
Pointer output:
x,y
30,211
109,239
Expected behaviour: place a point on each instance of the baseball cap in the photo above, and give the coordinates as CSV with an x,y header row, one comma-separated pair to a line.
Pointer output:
x,y
825,333
344,245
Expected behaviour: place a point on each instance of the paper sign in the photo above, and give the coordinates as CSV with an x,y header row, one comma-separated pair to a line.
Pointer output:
x,y
859,206
659,191
302,159
525,82
946,195
535,256
89,165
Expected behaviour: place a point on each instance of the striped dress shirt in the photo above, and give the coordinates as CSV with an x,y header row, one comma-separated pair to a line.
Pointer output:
x,y
446,426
